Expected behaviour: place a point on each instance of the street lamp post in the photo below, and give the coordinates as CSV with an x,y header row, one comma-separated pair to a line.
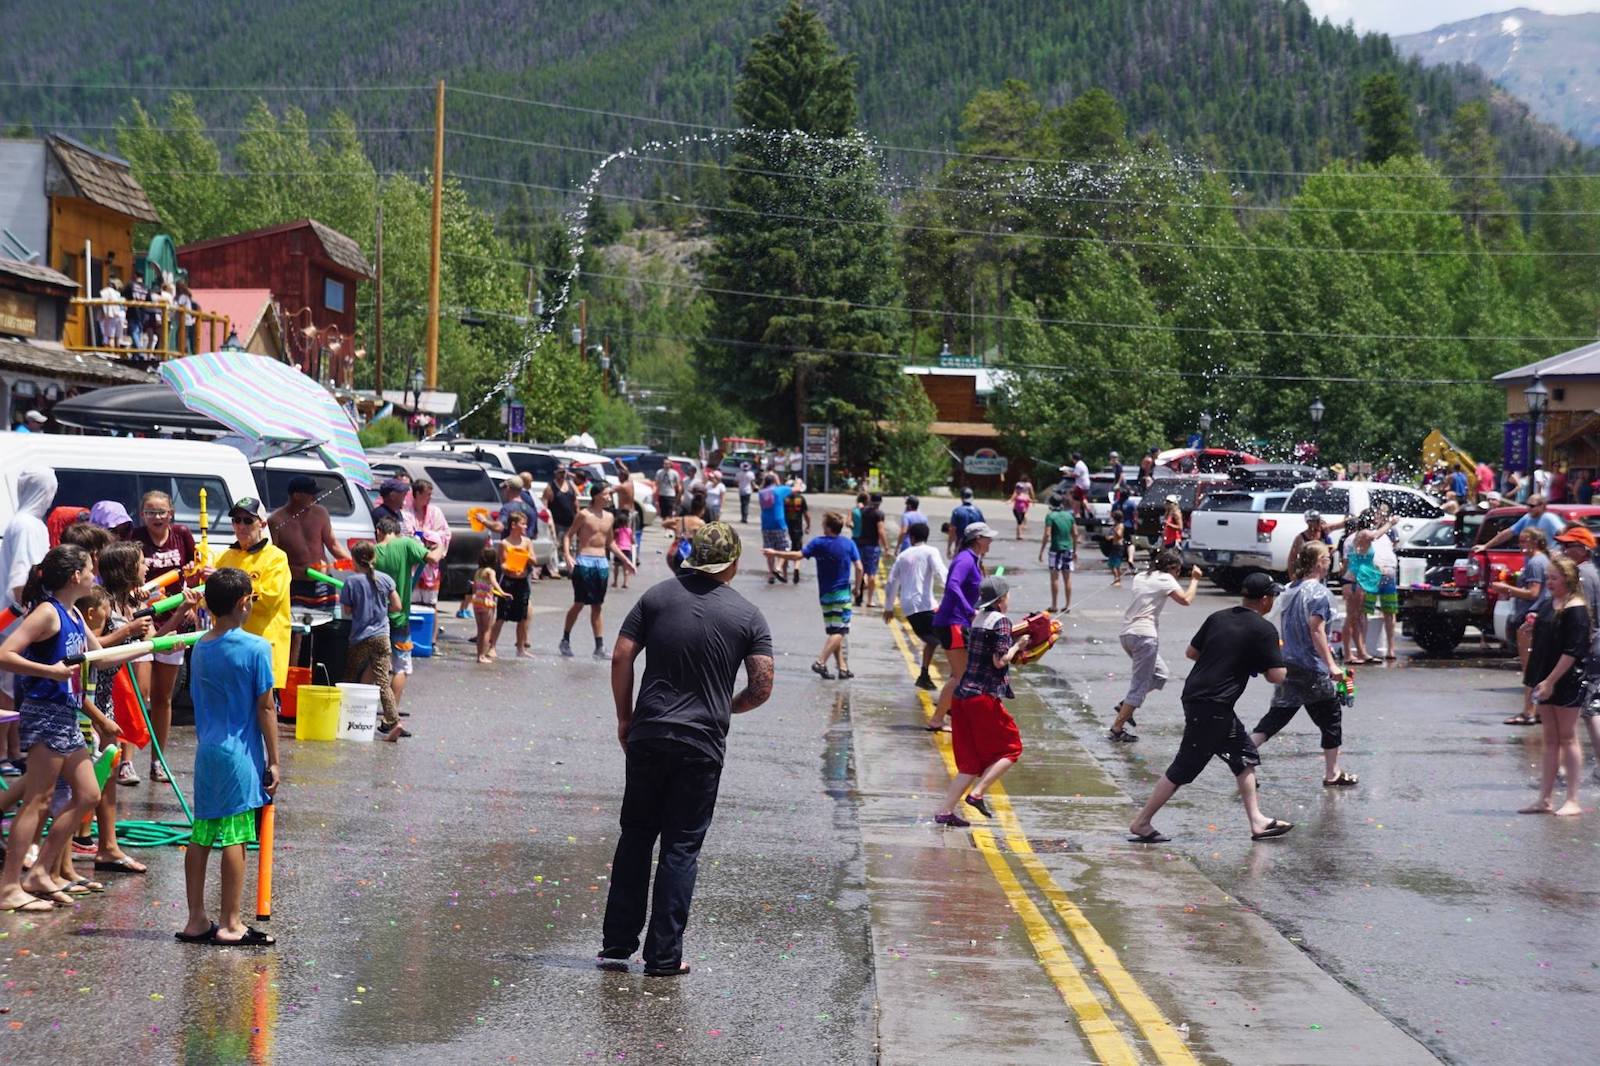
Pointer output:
x,y
1538,400
417,381
1318,409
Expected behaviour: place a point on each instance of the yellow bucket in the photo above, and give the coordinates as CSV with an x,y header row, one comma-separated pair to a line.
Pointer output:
x,y
318,713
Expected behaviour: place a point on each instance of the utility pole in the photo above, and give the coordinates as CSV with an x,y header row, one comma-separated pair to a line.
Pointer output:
x,y
432,374
377,312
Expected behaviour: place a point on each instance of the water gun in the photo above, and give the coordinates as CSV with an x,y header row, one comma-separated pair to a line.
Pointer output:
x,y
202,555
150,588
137,648
1043,631
8,616
326,579
162,606
1347,688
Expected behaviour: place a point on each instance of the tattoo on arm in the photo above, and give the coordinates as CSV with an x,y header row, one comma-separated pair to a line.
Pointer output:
x,y
758,684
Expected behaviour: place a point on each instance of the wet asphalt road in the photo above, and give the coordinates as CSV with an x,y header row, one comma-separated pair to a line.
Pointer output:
x,y
444,895
1421,889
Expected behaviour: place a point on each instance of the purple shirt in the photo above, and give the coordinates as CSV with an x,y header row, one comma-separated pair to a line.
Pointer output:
x,y
960,600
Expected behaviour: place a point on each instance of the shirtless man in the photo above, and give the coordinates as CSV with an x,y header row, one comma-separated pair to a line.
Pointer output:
x,y
623,501
302,528
594,531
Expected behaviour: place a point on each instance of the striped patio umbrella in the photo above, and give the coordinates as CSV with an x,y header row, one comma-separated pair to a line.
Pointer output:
x,y
263,399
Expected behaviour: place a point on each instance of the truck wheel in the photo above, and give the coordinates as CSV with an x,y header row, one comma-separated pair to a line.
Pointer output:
x,y
1228,579
1438,636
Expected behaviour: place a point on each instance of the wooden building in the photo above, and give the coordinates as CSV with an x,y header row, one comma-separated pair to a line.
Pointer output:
x,y
73,208
960,397
312,272
1569,428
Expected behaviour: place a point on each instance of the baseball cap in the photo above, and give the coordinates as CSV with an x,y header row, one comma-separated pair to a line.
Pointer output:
x,y
301,483
36,417
109,514
1259,585
976,530
992,590
1313,516
966,494
247,505
393,484
1173,498
715,547
1576,534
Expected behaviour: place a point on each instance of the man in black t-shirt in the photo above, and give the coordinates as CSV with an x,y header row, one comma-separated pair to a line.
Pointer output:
x,y
698,631
1231,647
871,544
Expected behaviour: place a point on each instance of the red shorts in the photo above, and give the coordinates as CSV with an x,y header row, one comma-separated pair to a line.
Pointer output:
x,y
982,731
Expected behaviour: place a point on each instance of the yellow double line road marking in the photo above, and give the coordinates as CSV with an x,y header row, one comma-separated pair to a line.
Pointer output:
x,y
1109,1043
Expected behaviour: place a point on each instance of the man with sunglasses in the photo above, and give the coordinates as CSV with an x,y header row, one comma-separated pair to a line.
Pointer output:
x,y
268,568
1538,517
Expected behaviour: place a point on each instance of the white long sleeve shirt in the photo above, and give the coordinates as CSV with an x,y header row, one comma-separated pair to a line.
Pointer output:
x,y
912,578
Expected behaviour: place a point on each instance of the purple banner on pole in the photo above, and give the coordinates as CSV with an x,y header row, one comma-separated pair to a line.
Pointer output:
x,y
517,416
1517,443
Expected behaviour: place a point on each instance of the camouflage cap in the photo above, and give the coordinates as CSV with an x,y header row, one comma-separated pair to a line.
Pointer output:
x,y
715,547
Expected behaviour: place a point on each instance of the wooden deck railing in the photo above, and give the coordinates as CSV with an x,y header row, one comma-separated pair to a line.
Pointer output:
x,y
167,333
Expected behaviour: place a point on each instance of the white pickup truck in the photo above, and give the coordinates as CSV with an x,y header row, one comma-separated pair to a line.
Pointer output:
x,y
1231,532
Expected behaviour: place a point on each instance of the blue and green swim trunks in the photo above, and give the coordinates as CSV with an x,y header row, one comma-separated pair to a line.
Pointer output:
x,y
836,610
224,832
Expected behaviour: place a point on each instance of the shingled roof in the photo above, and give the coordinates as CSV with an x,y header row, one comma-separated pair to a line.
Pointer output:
x,y
36,273
340,250
102,179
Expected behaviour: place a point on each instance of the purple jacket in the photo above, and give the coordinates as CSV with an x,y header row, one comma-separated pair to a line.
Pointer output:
x,y
960,601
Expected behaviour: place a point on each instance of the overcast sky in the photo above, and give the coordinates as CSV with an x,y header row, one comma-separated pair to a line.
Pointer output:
x,y
1387,16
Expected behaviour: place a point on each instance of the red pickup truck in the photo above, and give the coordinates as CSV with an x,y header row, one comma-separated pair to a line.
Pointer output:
x,y
1437,615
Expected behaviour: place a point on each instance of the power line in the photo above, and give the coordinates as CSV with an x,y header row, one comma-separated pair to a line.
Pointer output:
x,y
228,129
128,87
1287,208
1052,368
1061,237
1042,320
1035,160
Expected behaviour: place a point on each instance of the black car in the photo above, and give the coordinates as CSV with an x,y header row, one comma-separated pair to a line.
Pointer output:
x,y
640,460
1189,490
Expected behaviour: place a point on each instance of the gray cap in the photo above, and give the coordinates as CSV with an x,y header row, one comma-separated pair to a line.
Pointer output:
x,y
991,591
975,530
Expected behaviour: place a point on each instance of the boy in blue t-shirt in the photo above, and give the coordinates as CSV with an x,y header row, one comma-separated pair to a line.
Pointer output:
x,y
838,568
235,758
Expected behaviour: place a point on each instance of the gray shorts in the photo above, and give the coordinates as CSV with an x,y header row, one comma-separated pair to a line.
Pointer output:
x,y
1149,668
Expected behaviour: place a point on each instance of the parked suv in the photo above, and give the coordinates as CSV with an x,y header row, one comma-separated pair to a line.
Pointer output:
x,y
1190,490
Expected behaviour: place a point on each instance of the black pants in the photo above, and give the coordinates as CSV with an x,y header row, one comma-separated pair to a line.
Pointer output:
x,y
671,793
744,508
1313,690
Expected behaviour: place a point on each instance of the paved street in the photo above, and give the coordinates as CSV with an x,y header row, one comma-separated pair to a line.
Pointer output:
x,y
443,895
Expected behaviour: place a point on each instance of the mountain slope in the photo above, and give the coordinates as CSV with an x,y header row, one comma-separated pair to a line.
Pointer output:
x,y
1253,84
1552,62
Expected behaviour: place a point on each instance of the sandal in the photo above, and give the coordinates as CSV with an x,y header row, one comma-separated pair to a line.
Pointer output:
x,y
846,675
822,671
1522,719
196,938
1155,836
1274,828
1341,780
667,971
121,864
253,938
35,905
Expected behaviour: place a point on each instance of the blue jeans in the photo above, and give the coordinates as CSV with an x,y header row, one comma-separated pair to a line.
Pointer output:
x,y
671,793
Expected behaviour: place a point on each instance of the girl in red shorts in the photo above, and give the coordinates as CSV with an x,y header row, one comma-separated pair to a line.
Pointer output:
x,y
983,733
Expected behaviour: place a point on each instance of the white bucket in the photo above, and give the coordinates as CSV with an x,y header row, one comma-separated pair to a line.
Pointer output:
x,y
358,712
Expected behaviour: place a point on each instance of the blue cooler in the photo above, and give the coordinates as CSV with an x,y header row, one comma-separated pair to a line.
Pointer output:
x,y
421,631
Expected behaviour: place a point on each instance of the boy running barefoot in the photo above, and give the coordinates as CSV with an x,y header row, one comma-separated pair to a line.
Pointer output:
x,y
235,758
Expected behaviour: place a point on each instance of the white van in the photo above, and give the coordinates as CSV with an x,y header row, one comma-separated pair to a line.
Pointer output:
x,y
91,469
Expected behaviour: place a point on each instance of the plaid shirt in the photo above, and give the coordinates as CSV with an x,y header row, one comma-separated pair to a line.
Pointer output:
x,y
989,636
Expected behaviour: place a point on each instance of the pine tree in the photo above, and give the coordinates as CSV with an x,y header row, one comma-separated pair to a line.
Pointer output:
x,y
804,222
1387,129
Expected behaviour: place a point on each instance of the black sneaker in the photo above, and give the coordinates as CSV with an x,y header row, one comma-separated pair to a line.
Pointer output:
x,y
1122,736
925,682
566,648
822,671
980,805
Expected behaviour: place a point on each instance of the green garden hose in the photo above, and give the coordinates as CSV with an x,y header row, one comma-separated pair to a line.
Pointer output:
x,y
145,834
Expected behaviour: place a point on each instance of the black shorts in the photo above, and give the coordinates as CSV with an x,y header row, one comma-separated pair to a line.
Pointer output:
x,y
514,607
1314,690
666,506
921,624
1211,730
948,637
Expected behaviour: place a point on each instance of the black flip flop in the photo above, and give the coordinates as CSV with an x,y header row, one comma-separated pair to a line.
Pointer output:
x,y
1155,836
603,962
676,971
196,938
253,938
1274,828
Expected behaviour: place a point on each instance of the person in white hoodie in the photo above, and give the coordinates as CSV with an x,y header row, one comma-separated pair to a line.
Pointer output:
x,y
22,546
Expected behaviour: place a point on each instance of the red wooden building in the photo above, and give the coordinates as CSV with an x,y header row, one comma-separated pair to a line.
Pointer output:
x,y
312,271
